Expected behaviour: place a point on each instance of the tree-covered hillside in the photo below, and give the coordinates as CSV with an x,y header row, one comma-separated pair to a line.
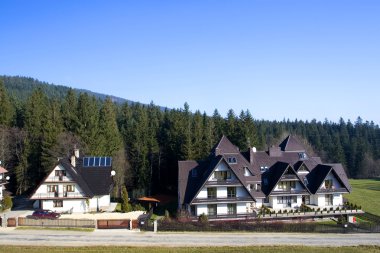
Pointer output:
x,y
146,142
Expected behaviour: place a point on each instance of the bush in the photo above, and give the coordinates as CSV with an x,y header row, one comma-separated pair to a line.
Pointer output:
x,y
138,207
125,205
203,218
6,203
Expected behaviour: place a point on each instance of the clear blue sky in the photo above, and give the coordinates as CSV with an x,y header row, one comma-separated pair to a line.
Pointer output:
x,y
280,59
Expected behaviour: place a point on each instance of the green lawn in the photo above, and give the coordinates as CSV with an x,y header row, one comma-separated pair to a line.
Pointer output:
x,y
255,249
366,193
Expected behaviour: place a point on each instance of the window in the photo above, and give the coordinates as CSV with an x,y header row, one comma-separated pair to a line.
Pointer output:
x,y
287,185
265,181
211,210
57,203
231,208
211,192
306,200
328,184
258,187
231,160
328,200
60,173
302,156
222,175
193,210
231,192
286,199
266,200
70,188
52,188
194,173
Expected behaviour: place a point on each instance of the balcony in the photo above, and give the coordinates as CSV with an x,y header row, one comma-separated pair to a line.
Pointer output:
x,y
221,182
289,191
59,195
238,216
219,200
289,177
58,179
332,190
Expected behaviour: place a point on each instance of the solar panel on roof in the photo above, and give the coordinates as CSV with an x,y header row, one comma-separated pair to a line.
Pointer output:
x,y
97,161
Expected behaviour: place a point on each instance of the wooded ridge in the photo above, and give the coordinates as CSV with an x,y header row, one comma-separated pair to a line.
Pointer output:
x,y
40,122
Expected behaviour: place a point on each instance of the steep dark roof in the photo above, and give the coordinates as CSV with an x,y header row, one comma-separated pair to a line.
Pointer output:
x,y
188,184
316,177
272,176
291,144
98,179
224,146
341,175
93,181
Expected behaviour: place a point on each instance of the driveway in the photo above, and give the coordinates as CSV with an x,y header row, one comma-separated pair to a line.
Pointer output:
x,y
131,238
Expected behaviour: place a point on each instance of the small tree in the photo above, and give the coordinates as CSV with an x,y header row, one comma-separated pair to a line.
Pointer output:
x,y
7,202
203,219
125,206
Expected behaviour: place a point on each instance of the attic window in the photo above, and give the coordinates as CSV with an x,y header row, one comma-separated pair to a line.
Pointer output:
x,y
302,156
263,169
265,181
194,173
231,160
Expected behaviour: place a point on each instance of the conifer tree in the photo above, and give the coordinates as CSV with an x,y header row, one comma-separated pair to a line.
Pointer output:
x,y
7,110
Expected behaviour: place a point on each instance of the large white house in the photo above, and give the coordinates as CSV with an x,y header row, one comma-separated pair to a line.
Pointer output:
x,y
233,184
78,184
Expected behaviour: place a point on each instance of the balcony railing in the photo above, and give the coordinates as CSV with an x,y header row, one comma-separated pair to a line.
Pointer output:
x,y
289,177
225,199
58,179
233,216
333,189
223,182
59,195
288,191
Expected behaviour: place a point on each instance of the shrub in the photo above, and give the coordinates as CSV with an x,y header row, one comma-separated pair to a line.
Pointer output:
x,y
125,206
138,207
7,203
203,218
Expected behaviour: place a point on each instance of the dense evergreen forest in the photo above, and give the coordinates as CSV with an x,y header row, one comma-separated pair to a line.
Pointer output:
x,y
146,141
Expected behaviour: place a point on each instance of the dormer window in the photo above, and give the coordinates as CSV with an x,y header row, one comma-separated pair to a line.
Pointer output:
x,y
231,160
263,169
247,173
302,156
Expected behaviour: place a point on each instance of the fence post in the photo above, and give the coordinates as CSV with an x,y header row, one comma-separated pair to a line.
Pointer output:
x,y
155,226
130,224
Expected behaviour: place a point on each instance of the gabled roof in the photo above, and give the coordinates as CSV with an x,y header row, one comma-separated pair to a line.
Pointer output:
x,y
317,176
213,165
93,181
2,170
299,164
224,146
274,174
341,175
291,144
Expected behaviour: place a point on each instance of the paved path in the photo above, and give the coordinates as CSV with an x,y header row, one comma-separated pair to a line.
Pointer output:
x,y
130,238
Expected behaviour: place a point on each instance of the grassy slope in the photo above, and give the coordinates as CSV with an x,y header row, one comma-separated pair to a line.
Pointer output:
x,y
366,193
257,249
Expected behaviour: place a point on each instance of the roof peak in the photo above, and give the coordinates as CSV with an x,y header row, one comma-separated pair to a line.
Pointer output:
x,y
292,144
225,146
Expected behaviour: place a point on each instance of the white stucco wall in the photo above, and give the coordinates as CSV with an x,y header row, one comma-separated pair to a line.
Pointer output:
x,y
221,192
241,208
201,209
76,205
222,208
337,199
222,167
336,183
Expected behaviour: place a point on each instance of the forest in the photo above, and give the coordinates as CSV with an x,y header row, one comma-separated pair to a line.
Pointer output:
x,y
40,123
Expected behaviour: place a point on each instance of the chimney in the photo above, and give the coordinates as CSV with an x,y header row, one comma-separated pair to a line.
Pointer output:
x,y
251,152
76,152
73,160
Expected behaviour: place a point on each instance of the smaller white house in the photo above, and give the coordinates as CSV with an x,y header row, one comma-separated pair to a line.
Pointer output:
x,y
79,184
3,181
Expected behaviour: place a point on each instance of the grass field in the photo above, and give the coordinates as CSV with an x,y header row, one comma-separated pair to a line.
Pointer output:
x,y
256,249
366,193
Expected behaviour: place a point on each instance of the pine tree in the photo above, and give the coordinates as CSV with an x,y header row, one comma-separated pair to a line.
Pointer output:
x,y
7,111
